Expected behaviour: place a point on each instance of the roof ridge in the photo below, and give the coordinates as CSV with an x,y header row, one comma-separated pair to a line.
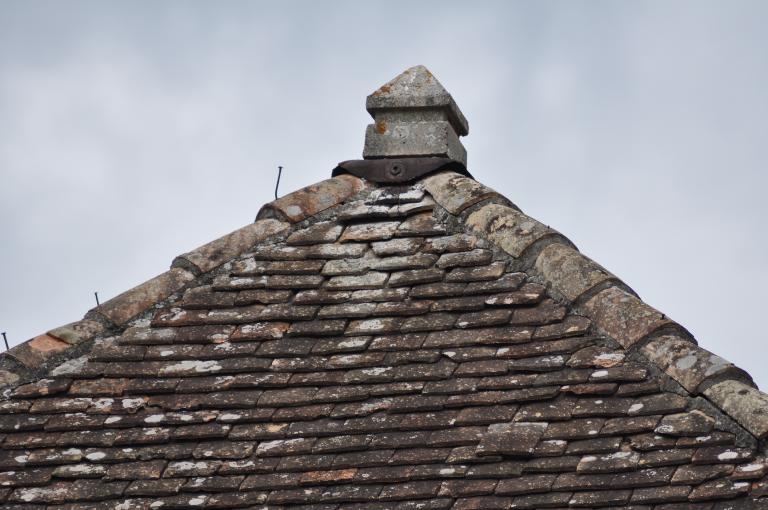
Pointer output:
x,y
614,309
34,357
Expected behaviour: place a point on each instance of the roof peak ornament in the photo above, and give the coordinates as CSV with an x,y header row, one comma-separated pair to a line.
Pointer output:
x,y
414,116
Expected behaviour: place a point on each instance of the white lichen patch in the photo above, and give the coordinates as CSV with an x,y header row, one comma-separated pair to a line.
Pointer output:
x,y
42,494
131,404
728,455
71,367
192,366
353,343
608,359
102,404
376,371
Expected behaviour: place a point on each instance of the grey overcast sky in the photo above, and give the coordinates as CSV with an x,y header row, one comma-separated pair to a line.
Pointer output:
x,y
131,132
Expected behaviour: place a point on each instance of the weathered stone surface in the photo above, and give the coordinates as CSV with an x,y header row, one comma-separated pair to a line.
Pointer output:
x,y
370,280
650,495
414,116
131,303
336,251
403,308
374,326
7,377
347,310
204,298
510,229
313,199
415,276
743,403
346,267
529,294
689,364
623,316
378,295
718,489
526,484
632,425
568,271
323,232
475,257
33,353
518,439
596,357
484,318
379,231
455,192
389,138
360,210
320,297
423,224
413,91
78,332
608,463
694,475
694,423
400,246
428,322
474,274
223,249
396,195
397,263
451,243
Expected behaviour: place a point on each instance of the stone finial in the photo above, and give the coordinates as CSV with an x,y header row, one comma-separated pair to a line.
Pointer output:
x,y
414,116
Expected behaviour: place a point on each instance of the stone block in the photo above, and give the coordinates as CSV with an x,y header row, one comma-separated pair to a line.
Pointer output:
x,y
389,138
34,353
743,403
226,248
323,232
8,377
131,303
624,317
569,272
518,439
313,199
510,229
694,423
455,192
688,364
416,95
78,332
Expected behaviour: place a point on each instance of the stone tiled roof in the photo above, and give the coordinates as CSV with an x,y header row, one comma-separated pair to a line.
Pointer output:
x,y
362,346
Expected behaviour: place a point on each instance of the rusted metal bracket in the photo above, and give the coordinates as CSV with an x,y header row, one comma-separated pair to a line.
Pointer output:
x,y
399,170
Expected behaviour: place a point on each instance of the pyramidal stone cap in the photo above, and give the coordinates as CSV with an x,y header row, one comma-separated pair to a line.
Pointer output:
x,y
414,116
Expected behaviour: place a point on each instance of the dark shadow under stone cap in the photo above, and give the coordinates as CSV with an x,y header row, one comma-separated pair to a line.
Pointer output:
x,y
398,170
